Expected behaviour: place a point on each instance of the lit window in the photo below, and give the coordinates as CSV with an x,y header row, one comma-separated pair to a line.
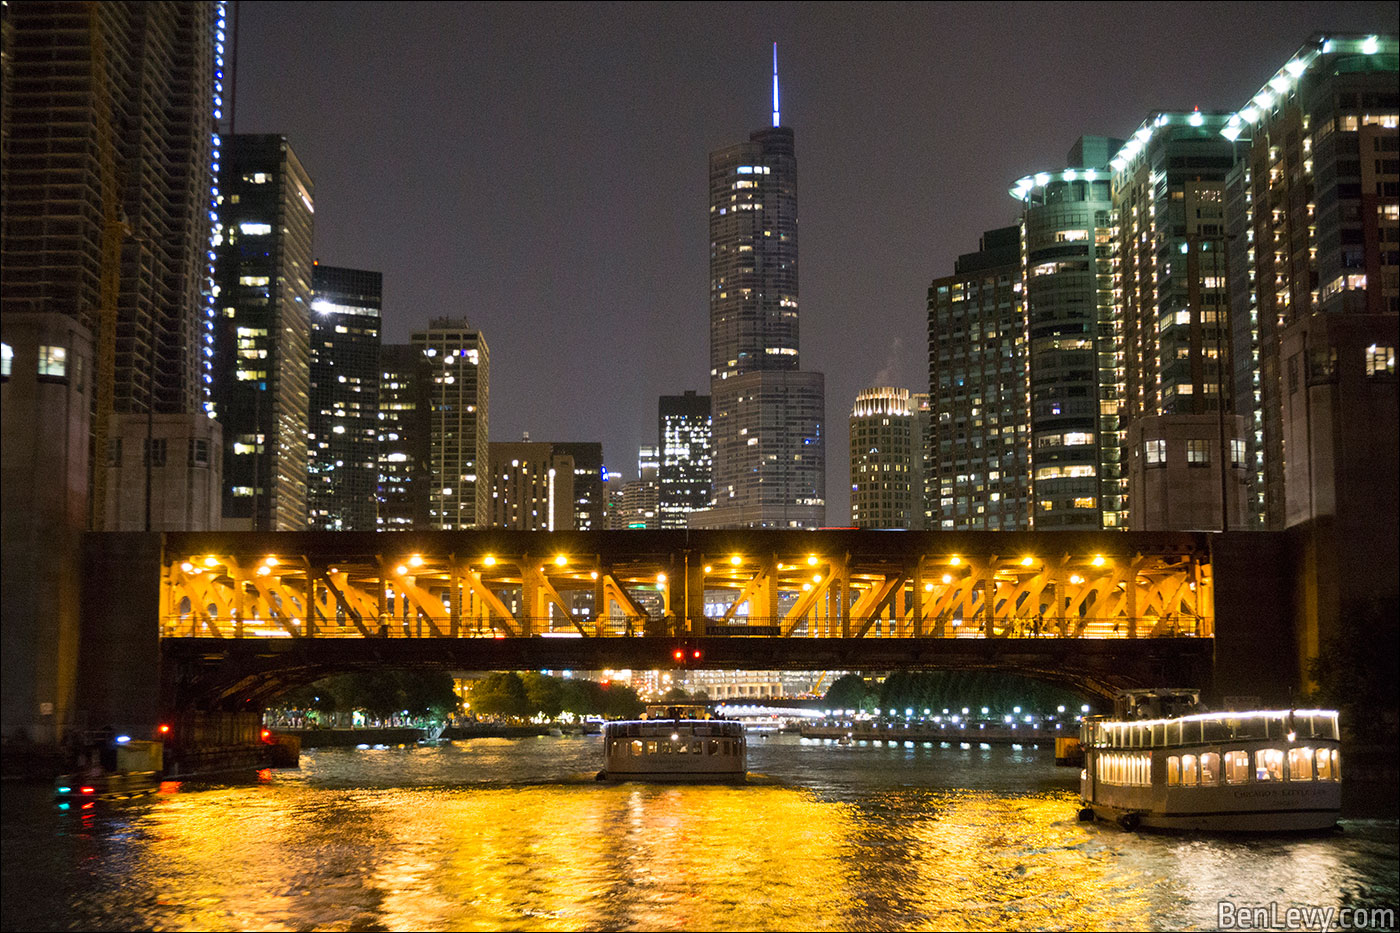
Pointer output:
x,y
1198,453
255,229
1380,361
53,361
1155,452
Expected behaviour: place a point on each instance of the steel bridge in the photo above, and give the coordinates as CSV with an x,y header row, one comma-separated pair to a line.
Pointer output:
x,y
244,615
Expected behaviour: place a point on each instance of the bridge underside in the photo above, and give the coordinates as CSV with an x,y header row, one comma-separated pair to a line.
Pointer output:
x,y
235,674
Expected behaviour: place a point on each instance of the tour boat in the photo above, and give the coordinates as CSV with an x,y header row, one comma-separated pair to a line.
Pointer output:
x,y
674,743
114,769
1159,766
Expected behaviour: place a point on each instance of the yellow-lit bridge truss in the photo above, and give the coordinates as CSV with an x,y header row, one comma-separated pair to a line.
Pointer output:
x,y
828,584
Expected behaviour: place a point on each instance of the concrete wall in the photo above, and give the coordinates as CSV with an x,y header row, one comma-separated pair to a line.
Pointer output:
x,y
1257,600
119,645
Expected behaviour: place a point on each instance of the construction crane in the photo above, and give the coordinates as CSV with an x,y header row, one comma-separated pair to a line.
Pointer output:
x,y
114,231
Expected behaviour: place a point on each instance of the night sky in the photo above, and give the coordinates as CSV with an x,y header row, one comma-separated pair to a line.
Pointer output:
x,y
542,170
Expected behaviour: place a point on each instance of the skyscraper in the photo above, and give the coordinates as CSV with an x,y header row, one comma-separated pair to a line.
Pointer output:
x,y
768,415
343,443
685,477
887,459
979,439
1184,446
107,149
459,488
1073,341
262,345
590,499
405,437
532,487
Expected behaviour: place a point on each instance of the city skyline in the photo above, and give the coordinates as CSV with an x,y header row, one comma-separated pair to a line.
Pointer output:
x,y
553,181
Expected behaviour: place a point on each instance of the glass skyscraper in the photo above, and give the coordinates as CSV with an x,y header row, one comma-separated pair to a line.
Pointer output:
x,y
685,476
767,414
342,449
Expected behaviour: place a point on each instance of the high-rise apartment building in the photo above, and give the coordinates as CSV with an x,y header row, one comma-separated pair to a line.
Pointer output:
x,y
405,438
684,439
979,438
459,491
887,459
1073,341
343,440
107,153
1321,248
1317,207
262,343
1184,445
768,415
532,487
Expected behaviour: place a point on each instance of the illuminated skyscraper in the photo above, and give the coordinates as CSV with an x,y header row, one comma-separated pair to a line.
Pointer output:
x,y
979,439
1073,341
459,488
263,337
405,437
685,477
343,445
887,459
532,486
768,415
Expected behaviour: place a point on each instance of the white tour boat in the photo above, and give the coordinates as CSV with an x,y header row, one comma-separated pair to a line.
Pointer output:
x,y
1158,765
674,743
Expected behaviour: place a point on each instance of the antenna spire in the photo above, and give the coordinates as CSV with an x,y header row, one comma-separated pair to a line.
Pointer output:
x,y
776,121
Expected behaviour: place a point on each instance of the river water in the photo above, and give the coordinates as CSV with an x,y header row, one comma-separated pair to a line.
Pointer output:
x,y
515,834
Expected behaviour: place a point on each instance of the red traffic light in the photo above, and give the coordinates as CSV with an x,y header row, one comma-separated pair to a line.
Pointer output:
x,y
679,655
695,655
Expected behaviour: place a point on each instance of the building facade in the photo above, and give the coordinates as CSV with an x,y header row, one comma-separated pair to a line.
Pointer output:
x,y
767,414
1184,443
979,435
263,336
343,424
590,498
684,439
459,492
887,459
1073,342
404,448
532,487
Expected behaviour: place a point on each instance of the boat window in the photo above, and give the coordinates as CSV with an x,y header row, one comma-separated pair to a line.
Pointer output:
x,y
1300,764
1236,767
697,748
1173,771
1336,766
1189,774
714,746
1210,768
1268,764
651,747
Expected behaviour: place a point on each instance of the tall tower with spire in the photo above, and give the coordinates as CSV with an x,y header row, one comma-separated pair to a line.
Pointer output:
x,y
768,415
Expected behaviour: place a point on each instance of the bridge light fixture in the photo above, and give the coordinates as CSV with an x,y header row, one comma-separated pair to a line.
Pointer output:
x,y
1076,579
928,587
489,561
1098,560
947,578
400,570
593,575
816,578
187,567
956,560
811,560
210,561
1027,561
736,560
560,561
806,587
271,561
416,560
661,579
708,568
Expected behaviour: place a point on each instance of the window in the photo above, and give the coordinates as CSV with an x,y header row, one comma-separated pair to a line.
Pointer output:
x,y
1190,775
1325,771
1268,764
53,361
1236,452
1300,764
155,452
1381,360
7,356
1198,453
199,452
1210,768
1236,767
1155,452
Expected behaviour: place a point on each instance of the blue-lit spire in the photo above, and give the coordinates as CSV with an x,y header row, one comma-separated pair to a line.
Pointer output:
x,y
776,121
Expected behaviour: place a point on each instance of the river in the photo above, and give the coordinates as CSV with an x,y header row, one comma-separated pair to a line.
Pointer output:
x,y
515,834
